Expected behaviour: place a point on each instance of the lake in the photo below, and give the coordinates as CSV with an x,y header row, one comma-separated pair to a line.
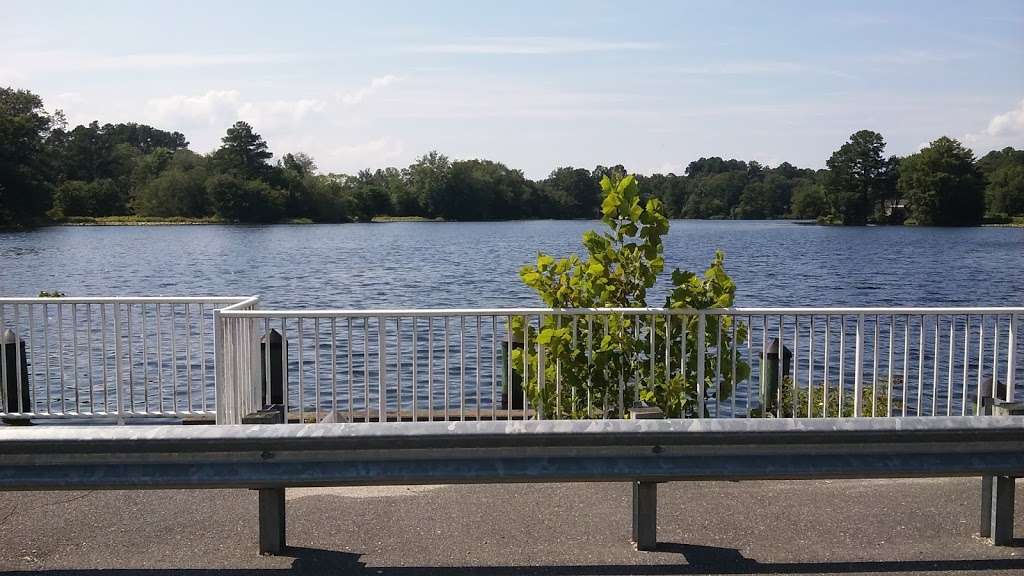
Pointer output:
x,y
474,264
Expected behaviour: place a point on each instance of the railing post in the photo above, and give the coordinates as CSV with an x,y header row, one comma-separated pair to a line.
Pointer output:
x,y
220,369
997,492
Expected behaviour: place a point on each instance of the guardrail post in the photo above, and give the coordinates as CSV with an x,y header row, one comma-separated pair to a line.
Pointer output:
x,y
272,520
645,497
997,492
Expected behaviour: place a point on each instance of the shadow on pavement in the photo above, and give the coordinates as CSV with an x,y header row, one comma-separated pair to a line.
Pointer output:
x,y
699,560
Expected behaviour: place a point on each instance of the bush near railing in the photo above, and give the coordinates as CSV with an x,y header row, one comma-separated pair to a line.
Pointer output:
x,y
603,363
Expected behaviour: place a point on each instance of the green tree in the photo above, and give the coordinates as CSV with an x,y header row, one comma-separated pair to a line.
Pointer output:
x,y
808,200
26,167
427,180
243,152
942,186
240,200
603,361
860,179
177,190
575,191
1004,176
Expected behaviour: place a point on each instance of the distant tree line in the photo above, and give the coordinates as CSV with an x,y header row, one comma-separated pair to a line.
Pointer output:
x,y
51,173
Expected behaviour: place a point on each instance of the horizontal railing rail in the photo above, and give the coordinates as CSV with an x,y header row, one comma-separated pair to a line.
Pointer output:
x,y
498,363
108,357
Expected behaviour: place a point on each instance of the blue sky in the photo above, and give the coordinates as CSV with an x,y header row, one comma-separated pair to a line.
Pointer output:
x,y
651,85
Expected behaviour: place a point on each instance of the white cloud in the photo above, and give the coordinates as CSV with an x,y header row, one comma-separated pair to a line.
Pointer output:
x,y
377,152
1006,129
529,45
756,67
213,107
357,96
1008,124
50,61
269,115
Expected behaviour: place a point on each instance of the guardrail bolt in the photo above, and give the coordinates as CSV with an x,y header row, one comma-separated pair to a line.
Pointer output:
x,y
278,353
770,370
12,400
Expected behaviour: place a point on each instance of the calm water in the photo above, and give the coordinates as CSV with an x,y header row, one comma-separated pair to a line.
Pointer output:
x,y
476,264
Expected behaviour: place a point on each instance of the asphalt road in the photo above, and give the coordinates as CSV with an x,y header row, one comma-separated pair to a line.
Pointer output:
x,y
838,527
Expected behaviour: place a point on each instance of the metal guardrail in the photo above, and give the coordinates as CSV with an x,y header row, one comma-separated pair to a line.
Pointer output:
x,y
270,457
456,364
108,357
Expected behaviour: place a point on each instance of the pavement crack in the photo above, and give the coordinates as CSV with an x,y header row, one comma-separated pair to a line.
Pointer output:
x,y
72,499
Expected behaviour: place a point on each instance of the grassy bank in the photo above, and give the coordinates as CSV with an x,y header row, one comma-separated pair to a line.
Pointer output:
x,y
405,219
135,221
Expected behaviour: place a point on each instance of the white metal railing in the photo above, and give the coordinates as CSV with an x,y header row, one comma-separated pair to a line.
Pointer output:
x,y
108,357
456,364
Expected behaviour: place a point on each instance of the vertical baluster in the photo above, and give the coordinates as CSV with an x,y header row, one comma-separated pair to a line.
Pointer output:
x,y
285,393
188,354
966,359
103,350
526,362
494,368
935,370
718,363
74,357
810,368
874,371
430,365
700,364
316,369
202,355
382,394
508,367
1011,356
949,379
981,364
60,356
145,356
541,369
416,361
796,366
920,364
828,346
366,368
780,360
888,365
906,362
350,400
750,356
447,396
158,350
478,351
398,367
301,363
842,365
3,361
174,358
33,354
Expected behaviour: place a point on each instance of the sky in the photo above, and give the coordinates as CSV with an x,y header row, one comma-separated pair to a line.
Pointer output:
x,y
536,85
